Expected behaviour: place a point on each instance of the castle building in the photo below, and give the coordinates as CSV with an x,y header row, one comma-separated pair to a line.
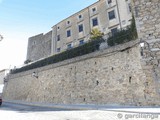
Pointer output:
x,y
106,15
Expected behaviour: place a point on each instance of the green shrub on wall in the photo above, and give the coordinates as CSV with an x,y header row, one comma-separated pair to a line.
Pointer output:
x,y
89,47
93,45
123,36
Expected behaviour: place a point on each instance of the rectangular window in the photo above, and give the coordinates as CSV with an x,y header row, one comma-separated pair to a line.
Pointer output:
x,y
34,43
109,1
111,15
69,46
58,49
80,27
114,31
81,42
68,33
58,37
94,22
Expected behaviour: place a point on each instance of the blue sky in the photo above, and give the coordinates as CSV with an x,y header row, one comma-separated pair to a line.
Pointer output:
x,y
20,19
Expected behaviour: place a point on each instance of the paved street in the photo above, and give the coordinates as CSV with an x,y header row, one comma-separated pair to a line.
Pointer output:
x,y
23,112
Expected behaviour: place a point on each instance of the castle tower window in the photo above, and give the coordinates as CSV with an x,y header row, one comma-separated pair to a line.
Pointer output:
x,y
111,15
80,27
94,22
68,33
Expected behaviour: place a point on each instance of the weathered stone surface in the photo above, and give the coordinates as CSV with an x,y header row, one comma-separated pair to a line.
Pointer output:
x,y
39,46
117,75
111,76
148,17
148,20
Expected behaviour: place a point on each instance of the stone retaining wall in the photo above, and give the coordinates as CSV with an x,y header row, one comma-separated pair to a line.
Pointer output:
x,y
111,76
147,14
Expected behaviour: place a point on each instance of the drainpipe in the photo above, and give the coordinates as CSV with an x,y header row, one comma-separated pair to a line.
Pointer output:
x,y
52,43
119,15
53,47
89,15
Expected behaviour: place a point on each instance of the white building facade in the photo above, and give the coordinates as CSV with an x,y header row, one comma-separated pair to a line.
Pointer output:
x,y
105,15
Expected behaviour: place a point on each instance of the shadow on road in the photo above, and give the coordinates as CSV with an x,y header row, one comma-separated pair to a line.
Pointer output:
x,y
27,108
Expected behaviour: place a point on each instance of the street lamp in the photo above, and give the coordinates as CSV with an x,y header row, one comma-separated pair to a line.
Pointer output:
x,y
1,37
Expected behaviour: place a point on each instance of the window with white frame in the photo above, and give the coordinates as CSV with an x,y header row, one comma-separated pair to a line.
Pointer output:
x,y
69,46
80,28
81,42
68,33
94,21
111,15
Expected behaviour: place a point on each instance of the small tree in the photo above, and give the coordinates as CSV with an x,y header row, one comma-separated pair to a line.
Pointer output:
x,y
96,34
124,36
133,29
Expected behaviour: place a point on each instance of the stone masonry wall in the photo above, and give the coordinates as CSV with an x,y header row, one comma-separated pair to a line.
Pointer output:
x,y
111,76
39,46
147,14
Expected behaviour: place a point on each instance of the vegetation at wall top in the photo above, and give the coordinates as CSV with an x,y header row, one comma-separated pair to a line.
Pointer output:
x,y
91,46
123,36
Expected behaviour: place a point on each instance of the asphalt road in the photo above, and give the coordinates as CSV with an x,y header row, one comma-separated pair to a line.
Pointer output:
x,y
10,111
27,108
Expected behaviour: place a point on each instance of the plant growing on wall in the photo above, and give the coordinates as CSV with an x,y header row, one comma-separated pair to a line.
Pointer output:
x,y
86,48
125,35
96,34
133,29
